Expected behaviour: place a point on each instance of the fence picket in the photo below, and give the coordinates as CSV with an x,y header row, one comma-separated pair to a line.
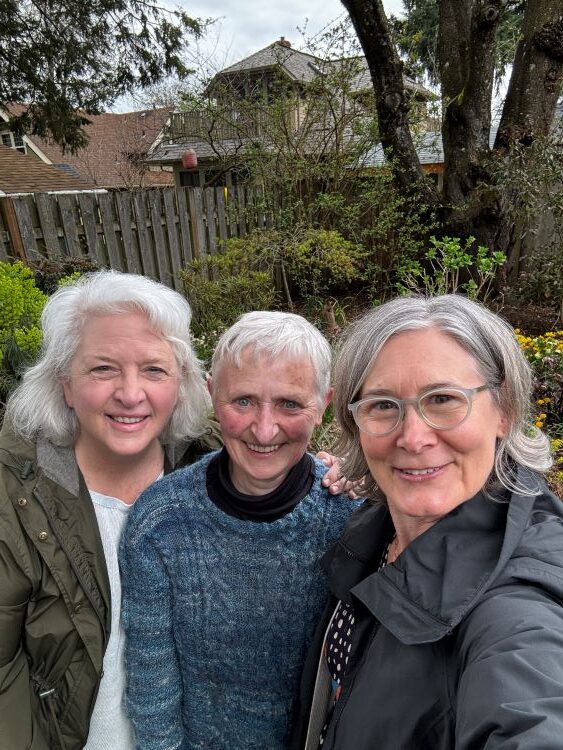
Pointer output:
x,y
94,244
172,233
185,232
112,244
67,207
130,249
162,263
45,206
145,244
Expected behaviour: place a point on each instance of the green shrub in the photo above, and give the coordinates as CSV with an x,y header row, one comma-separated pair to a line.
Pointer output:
x,y
21,304
322,263
445,266
220,288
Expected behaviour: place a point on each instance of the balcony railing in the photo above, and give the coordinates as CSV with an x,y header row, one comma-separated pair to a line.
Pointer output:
x,y
225,125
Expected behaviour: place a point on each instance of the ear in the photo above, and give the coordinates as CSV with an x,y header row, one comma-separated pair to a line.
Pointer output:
x,y
326,402
210,385
67,390
502,427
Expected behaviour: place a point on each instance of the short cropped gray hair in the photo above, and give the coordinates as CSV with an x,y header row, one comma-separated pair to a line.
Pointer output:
x,y
38,405
485,336
276,334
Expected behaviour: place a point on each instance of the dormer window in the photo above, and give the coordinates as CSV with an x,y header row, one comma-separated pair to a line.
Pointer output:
x,y
13,141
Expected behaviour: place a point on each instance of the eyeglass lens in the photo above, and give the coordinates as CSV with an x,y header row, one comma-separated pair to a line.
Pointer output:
x,y
443,409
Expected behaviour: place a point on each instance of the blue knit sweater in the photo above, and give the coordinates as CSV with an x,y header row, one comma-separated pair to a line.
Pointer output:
x,y
219,612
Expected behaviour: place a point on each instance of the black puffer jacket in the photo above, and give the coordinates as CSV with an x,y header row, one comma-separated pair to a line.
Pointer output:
x,y
459,643
54,594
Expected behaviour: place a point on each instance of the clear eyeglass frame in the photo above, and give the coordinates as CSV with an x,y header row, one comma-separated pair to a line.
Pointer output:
x,y
468,393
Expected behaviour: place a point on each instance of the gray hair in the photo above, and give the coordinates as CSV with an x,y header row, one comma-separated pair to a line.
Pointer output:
x,y
485,336
38,404
274,334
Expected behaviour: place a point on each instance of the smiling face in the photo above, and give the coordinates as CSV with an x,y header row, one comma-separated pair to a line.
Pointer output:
x,y
423,472
123,387
267,409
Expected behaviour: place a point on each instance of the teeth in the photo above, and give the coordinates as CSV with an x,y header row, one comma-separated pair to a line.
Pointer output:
x,y
128,420
263,448
418,472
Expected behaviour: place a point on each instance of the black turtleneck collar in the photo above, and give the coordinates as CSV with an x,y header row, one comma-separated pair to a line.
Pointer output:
x,y
260,508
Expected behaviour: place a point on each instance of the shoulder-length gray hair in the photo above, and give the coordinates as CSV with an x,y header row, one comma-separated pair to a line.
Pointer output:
x,y
276,334
38,405
485,336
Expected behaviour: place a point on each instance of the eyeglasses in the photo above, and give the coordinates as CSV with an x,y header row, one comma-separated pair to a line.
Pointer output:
x,y
440,408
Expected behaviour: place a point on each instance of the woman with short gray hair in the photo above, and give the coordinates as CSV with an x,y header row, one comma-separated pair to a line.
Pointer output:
x,y
220,560
446,625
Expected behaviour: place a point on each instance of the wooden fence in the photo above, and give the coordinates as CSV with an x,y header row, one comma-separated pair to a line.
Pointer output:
x,y
154,232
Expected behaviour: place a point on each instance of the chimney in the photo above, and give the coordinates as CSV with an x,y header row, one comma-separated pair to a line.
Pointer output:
x,y
284,43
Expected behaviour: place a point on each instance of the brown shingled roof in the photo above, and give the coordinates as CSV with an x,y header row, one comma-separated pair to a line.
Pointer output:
x,y
117,142
20,173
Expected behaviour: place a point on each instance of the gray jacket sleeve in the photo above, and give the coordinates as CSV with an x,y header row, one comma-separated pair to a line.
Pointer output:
x,y
510,693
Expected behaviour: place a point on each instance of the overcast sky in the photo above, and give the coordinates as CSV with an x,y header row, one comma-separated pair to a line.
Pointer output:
x,y
249,25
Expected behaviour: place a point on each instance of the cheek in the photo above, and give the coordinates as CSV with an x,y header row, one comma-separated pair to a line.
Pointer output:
x,y
168,398
374,449
231,423
298,429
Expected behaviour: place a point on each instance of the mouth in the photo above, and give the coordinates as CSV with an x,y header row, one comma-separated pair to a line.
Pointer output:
x,y
263,448
426,472
126,420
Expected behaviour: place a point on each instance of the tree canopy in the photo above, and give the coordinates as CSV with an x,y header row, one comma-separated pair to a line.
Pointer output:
x,y
66,58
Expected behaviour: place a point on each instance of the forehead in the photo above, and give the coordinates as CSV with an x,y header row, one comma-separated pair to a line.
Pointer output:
x,y
260,373
426,356
121,334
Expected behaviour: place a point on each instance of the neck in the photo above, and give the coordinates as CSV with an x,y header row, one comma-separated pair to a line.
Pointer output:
x,y
406,531
124,477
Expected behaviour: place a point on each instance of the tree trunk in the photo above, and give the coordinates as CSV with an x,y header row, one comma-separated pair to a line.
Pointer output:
x,y
467,36
392,103
536,80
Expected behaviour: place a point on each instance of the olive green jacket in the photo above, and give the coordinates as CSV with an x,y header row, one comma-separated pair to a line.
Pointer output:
x,y
54,593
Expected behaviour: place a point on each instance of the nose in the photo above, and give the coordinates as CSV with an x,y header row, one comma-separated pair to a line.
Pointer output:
x,y
265,425
129,390
413,433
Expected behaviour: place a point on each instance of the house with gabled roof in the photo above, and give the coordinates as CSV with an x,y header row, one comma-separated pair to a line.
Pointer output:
x,y
114,156
235,117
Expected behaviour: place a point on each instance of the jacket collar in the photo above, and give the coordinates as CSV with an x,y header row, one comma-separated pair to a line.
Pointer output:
x,y
441,575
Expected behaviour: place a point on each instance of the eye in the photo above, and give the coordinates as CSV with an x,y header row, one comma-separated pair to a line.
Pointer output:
x,y
380,405
103,371
290,405
243,401
156,372
444,401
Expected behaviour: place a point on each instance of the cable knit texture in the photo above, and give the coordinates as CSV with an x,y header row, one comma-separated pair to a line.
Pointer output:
x,y
219,613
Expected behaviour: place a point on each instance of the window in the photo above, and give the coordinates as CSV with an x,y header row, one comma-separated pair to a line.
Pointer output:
x,y
190,178
13,141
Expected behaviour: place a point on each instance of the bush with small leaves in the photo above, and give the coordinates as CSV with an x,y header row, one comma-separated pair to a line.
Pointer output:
x,y
21,304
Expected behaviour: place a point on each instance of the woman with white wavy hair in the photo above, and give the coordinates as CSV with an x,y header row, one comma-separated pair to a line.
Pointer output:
x,y
116,400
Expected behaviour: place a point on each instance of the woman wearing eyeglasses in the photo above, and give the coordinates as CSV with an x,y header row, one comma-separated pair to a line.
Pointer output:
x,y
445,630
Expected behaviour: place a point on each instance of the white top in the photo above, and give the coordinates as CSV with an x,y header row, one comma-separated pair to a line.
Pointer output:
x,y
110,729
